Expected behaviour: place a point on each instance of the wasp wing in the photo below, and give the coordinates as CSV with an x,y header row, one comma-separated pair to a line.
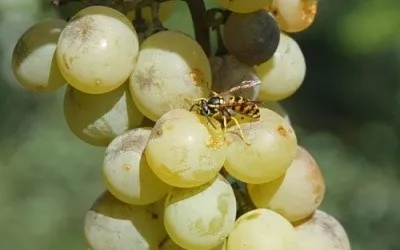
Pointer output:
x,y
242,85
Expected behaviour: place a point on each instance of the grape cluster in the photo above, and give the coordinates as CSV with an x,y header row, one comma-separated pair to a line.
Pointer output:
x,y
177,178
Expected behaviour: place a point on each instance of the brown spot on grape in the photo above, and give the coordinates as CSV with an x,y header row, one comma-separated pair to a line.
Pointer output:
x,y
154,216
127,167
197,77
282,131
39,88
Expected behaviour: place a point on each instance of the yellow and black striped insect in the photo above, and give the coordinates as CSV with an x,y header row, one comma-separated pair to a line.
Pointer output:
x,y
224,110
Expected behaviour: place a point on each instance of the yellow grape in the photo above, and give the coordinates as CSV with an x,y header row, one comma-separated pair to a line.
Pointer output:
x,y
113,224
171,67
200,217
98,119
284,73
294,15
244,6
296,194
33,58
184,152
321,231
126,172
97,50
261,229
272,148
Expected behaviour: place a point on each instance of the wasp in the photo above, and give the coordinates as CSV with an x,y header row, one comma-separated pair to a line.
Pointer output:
x,y
221,109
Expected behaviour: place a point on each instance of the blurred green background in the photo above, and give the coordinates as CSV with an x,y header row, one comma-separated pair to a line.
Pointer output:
x,y
346,114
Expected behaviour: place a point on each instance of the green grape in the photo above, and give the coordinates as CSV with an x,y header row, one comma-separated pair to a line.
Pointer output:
x,y
201,217
97,50
284,73
296,194
244,6
321,231
126,172
33,59
98,119
112,224
228,72
261,229
252,38
171,67
272,148
184,150
169,244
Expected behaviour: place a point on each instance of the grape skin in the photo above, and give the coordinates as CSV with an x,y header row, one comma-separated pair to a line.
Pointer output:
x,y
244,6
97,50
261,229
126,172
283,74
167,73
200,218
184,152
252,38
33,59
272,149
277,108
171,245
98,119
112,224
297,193
321,231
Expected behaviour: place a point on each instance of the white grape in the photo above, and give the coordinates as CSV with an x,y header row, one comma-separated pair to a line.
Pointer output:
x,y
277,108
321,231
184,150
171,67
33,59
98,119
296,194
272,148
284,73
201,217
126,172
112,224
261,229
97,50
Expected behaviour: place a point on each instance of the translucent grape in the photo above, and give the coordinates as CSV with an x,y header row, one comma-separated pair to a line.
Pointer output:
x,y
97,119
126,172
33,59
112,224
261,229
272,148
200,217
296,194
228,72
244,6
97,50
294,15
171,67
321,231
184,150
252,38
284,73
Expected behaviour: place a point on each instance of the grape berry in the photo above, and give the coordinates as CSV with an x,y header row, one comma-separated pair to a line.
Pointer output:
x,y
176,178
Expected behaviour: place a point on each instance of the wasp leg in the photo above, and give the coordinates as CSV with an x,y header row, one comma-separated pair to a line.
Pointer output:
x,y
214,93
240,130
209,120
196,104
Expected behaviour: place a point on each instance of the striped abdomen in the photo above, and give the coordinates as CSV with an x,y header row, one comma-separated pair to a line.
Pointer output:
x,y
244,106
